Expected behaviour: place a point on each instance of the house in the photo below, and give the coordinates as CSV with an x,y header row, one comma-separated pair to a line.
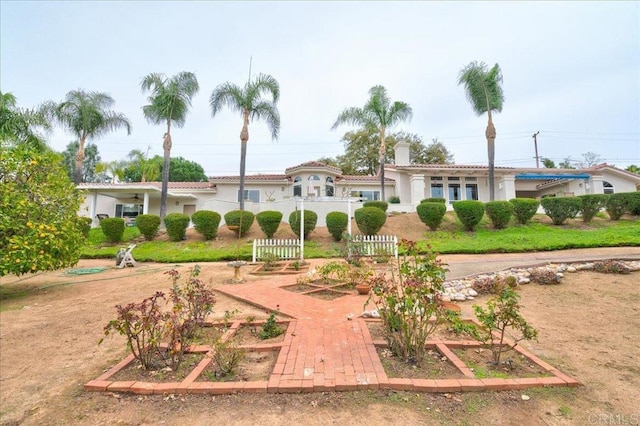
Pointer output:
x,y
322,188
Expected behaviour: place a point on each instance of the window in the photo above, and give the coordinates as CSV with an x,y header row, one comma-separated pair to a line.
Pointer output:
x,y
329,187
454,192
436,177
608,188
471,191
437,190
368,195
252,195
453,178
471,179
128,210
297,187
313,189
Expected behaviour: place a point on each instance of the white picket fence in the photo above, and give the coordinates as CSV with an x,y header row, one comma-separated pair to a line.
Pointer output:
x,y
283,249
377,244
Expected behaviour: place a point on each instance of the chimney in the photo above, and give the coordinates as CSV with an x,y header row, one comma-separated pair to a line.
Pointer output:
x,y
402,154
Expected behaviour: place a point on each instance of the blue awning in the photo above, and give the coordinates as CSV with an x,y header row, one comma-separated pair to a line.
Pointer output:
x,y
549,177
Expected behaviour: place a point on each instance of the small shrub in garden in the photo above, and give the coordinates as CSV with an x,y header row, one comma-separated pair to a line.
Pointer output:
x,y
194,294
148,224
85,225
227,357
370,220
270,328
112,228
499,213
431,214
502,316
434,200
494,285
559,209
394,199
616,205
611,267
176,224
240,220
544,276
591,205
469,213
269,222
382,205
524,209
206,223
310,220
633,203
337,223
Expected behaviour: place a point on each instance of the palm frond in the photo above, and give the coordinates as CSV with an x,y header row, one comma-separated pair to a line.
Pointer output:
x,y
268,112
169,99
227,94
483,87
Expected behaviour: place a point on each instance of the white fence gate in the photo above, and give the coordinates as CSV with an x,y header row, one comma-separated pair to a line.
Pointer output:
x,y
377,244
283,249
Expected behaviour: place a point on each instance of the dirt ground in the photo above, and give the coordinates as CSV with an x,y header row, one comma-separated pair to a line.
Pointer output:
x,y
50,325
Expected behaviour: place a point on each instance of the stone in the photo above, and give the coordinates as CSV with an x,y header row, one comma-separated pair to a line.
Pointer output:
x,y
472,292
524,281
571,269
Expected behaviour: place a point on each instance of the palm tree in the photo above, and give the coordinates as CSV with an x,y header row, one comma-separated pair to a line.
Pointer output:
x,y
149,170
87,116
377,114
484,91
248,101
169,103
22,126
115,168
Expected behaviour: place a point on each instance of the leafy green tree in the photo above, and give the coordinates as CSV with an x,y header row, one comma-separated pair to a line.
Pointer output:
x,y
149,170
39,226
633,169
249,102
483,88
87,115
112,171
89,164
434,153
566,163
22,126
590,159
169,103
180,170
380,114
548,163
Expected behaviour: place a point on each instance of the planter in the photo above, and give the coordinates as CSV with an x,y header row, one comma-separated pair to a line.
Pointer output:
x,y
363,288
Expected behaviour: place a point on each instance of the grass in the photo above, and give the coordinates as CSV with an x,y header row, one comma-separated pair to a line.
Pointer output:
x,y
450,239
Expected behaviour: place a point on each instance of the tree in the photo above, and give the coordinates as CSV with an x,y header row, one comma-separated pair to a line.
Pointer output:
x,y
89,164
169,103
380,114
180,170
87,115
22,126
590,159
548,163
633,169
434,153
248,101
39,226
566,163
112,171
149,170
483,88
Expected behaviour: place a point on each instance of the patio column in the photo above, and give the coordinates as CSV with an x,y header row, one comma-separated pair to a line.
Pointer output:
x,y
597,186
92,210
417,188
506,188
145,204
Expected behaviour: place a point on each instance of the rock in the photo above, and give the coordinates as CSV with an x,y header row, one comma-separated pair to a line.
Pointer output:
x,y
525,397
585,267
524,281
560,275
460,297
571,269
446,298
470,298
472,292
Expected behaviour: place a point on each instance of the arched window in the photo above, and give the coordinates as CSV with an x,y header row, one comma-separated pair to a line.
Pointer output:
x,y
608,188
297,186
329,188
313,188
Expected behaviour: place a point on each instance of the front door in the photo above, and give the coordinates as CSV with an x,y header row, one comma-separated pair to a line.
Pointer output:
x,y
189,209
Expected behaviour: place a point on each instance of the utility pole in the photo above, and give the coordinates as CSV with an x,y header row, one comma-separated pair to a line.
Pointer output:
x,y
535,143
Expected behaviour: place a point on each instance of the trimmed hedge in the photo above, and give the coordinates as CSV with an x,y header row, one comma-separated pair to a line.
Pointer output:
x,y
176,224
394,199
269,221
633,203
431,214
112,228
469,212
148,224
560,209
591,205
233,217
337,224
434,200
370,219
382,205
85,225
206,223
524,209
499,212
310,220
617,205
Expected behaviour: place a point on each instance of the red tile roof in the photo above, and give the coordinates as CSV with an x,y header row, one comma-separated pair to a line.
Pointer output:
x,y
172,185
249,178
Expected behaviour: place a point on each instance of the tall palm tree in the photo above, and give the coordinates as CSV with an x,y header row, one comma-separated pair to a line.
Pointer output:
x,y
483,87
87,115
378,114
115,168
248,101
169,102
22,126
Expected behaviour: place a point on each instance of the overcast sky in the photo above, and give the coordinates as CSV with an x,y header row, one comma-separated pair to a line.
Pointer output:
x,y
571,71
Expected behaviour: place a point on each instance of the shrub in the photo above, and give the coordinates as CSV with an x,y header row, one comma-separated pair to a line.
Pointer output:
x,y
382,205
148,224
310,220
112,228
370,219
633,203
611,267
85,225
524,209
227,356
494,285
469,213
394,199
239,220
499,212
176,224
431,214
591,204
616,205
269,222
544,276
560,209
206,223
434,200
337,224
270,328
